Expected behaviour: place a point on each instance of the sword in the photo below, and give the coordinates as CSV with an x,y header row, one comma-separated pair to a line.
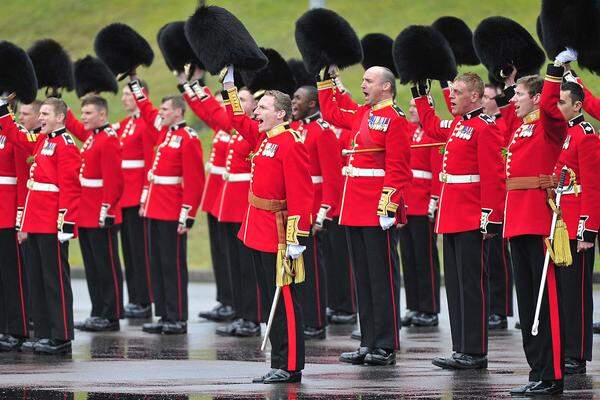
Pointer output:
x,y
273,307
346,152
559,191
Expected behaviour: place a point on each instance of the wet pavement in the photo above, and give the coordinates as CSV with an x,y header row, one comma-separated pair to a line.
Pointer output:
x,y
131,364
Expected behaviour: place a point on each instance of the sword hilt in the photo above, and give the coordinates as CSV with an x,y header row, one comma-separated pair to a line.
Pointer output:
x,y
563,177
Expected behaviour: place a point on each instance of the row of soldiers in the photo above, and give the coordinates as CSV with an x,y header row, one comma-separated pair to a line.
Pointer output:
x,y
303,218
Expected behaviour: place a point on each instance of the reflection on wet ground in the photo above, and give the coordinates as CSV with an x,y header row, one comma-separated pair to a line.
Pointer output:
x,y
201,365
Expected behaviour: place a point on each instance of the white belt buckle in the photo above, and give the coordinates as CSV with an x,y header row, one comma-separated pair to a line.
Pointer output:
x,y
443,177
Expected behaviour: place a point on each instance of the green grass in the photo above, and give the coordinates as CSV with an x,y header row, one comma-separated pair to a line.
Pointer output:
x,y
74,23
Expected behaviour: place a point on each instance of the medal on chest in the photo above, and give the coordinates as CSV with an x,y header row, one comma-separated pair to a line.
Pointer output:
x,y
464,132
567,142
418,135
48,149
270,150
525,131
378,123
2,142
175,141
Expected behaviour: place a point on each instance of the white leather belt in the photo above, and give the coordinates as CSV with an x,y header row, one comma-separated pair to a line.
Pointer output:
x,y
448,178
8,180
352,172
217,170
41,187
316,179
166,180
241,177
132,164
418,173
91,183
571,190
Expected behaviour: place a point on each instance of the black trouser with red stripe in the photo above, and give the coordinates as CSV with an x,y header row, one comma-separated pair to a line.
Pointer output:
x,y
497,259
134,242
578,303
168,260
245,290
50,280
13,303
314,291
286,336
466,290
545,351
374,254
99,249
219,261
341,291
420,265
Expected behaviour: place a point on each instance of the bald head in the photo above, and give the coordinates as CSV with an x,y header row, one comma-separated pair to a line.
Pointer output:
x,y
379,83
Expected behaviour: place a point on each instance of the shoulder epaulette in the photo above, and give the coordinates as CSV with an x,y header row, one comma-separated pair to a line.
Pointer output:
x,y
323,124
445,123
68,139
486,118
587,127
297,136
110,131
398,110
191,132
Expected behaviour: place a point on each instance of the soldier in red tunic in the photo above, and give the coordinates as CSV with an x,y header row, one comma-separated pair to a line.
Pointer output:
x,y
375,179
278,220
580,213
418,240
137,149
100,213
49,218
470,210
325,169
170,203
531,157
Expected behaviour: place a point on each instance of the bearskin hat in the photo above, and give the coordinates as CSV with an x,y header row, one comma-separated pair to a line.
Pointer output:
x,y
218,38
460,38
501,43
324,38
17,74
421,53
539,30
574,24
300,74
377,51
53,66
122,49
93,76
175,48
275,75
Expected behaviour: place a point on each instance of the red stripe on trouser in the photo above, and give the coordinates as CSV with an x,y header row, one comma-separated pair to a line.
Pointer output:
x,y
554,321
21,295
114,274
396,340
62,290
317,287
290,316
431,270
582,255
483,304
179,297
147,260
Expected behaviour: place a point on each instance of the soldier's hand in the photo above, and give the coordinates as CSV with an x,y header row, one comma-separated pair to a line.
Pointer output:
x,y
386,222
432,207
63,237
294,251
182,229
21,237
227,77
583,246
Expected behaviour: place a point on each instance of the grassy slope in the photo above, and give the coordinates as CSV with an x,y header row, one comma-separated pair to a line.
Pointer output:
x,y
74,23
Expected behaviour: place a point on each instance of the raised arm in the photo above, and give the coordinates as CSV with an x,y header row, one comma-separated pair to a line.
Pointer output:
x,y
246,126
445,85
434,127
75,126
331,109
148,112
555,126
15,133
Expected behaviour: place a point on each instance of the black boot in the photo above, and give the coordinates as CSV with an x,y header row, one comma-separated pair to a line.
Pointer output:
x,y
248,329
425,319
311,333
520,391
574,366
102,325
220,313
497,322
283,376
342,318
596,327
381,357
461,361
174,328
545,388
356,335
52,346
10,342
153,327
355,357
408,317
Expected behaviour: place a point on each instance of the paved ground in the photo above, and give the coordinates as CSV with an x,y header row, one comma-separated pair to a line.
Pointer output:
x,y
135,365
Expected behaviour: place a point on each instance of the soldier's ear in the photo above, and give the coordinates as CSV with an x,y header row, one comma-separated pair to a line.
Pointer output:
x,y
536,98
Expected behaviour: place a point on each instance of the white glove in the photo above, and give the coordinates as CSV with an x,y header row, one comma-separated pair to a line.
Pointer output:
x,y
294,250
103,215
386,222
228,78
432,207
3,100
569,77
63,237
566,56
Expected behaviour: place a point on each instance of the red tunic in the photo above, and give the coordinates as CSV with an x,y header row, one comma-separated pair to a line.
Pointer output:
x,y
176,177
52,202
13,172
583,205
325,163
280,171
472,168
374,181
101,181
533,151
